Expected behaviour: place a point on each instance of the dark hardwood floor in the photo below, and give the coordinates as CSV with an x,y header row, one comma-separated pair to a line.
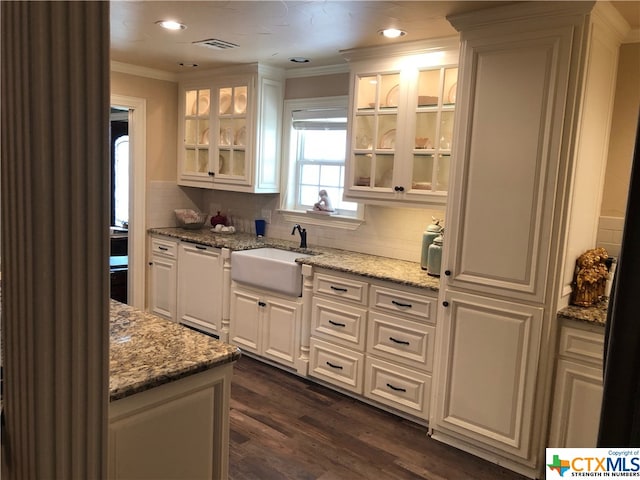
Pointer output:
x,y
286,427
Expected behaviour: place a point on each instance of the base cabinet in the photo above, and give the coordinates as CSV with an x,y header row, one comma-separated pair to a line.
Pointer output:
x,y
162,294
577,396
488,362
404,389
375,340
200,287
175,431
265,324
342,367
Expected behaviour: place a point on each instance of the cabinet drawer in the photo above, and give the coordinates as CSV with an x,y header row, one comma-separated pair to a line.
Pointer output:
x,y
336,365
163,247
401,340
416,306
398,387
338,322
343,288
582,345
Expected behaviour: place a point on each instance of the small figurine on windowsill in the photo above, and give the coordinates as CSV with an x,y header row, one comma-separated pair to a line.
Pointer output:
x,y
324,204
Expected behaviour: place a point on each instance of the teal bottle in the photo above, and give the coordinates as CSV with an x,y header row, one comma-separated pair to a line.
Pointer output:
x,y
428,237
434,262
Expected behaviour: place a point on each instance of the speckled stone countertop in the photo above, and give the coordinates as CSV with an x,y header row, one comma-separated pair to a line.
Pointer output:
x,y
372,266
146,351
595,315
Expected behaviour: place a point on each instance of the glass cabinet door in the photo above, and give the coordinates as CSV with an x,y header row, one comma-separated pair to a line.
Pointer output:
x,y
374,139
232,139
434,114
196,132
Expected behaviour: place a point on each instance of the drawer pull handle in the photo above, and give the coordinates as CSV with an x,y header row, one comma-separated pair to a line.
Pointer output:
x,y
399,304
334,366
164,249
201,247
395,340
397,389
338,289
337,324
262,304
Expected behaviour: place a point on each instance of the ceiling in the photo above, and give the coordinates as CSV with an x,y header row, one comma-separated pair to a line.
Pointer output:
x,y
272,32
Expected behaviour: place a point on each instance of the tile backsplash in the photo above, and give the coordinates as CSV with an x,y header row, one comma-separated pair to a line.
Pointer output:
x,y
388,232
610,234
164,197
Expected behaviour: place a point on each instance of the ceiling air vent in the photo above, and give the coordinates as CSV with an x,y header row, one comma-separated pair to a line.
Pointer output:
x,y
216,44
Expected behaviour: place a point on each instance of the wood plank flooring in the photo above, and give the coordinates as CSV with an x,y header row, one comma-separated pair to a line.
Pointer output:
x,y
286,427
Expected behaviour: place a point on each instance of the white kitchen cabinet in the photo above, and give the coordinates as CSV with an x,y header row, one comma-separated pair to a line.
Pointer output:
x,y
229,129
265,324
375,340
163,277
526,103
401,122
200,287
400,347
577,396
174,431
338,330
488,362
339,366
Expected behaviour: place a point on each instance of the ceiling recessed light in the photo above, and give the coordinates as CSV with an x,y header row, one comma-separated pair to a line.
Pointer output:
x,y
392,33
171,25
299,60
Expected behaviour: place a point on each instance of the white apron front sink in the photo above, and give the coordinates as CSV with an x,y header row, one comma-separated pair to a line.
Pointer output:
x,y
269,268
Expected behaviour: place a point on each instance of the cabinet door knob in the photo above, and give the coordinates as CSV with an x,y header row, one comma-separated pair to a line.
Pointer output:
x,y
447,272
211,174
262,304
399,188
445,304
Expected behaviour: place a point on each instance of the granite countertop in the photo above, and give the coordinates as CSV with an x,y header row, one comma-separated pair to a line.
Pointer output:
x,y
372,266
146,351
595,315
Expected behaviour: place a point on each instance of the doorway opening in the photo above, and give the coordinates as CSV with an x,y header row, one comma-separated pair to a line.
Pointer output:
x,y
119,204
133,109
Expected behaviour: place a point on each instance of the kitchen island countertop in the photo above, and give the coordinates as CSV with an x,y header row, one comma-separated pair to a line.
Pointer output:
x,y
147,351
371,266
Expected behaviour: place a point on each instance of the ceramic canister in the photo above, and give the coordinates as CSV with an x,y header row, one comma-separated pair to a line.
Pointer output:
x,y
429,235
434,261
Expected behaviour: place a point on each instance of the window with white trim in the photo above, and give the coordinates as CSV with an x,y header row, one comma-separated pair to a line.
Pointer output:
x,y
315,147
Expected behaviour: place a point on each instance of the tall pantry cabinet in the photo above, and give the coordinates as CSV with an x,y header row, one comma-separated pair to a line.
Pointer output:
x,y
534,103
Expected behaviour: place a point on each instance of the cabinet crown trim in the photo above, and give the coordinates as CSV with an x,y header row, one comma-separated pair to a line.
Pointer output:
x,y
516,12
402,49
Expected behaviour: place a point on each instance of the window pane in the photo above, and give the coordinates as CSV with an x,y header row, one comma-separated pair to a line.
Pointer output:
x,y
308,195
328,145
121,183
330,175
310,174
317,152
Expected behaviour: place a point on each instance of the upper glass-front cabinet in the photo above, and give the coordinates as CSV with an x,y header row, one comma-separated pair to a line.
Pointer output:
x,y
230,128
232,141
196,131
401,127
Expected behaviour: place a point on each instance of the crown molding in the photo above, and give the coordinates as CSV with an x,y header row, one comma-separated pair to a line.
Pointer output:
x,y
139,71
316,71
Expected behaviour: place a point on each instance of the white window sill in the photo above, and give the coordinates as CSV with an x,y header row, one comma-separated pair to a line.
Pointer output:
x,y
334,221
